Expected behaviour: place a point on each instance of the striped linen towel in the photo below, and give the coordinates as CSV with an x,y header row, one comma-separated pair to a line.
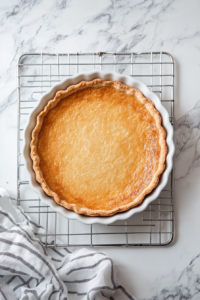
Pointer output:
x,y
28,270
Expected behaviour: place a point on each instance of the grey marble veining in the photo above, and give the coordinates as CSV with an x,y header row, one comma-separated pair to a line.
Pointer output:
x,y
187,139
123,25
186,286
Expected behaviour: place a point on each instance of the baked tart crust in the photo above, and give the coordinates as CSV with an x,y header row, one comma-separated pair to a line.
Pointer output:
x,y
101,149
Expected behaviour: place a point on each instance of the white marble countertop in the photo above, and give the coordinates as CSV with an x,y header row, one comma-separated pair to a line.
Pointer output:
x,y
171,272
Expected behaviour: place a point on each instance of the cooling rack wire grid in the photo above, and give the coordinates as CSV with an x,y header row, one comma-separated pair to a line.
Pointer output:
x,y
36,73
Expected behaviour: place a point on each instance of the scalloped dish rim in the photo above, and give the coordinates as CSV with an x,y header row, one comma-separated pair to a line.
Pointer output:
x,y
31,122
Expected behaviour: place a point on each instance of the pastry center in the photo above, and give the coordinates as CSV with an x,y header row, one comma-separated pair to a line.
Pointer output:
x,y
98,147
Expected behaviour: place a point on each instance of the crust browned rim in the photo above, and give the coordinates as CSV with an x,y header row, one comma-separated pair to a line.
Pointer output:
x,y
72,89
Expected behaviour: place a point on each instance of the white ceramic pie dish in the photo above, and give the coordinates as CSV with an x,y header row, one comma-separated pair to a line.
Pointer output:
x,y
63,85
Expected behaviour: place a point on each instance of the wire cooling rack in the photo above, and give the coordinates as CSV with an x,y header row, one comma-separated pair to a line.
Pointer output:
x,y
36,73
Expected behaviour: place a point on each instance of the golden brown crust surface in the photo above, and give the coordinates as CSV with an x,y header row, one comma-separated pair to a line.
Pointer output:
x,y
98,83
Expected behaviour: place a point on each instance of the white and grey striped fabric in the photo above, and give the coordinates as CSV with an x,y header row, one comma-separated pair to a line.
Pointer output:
x,y
28,270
